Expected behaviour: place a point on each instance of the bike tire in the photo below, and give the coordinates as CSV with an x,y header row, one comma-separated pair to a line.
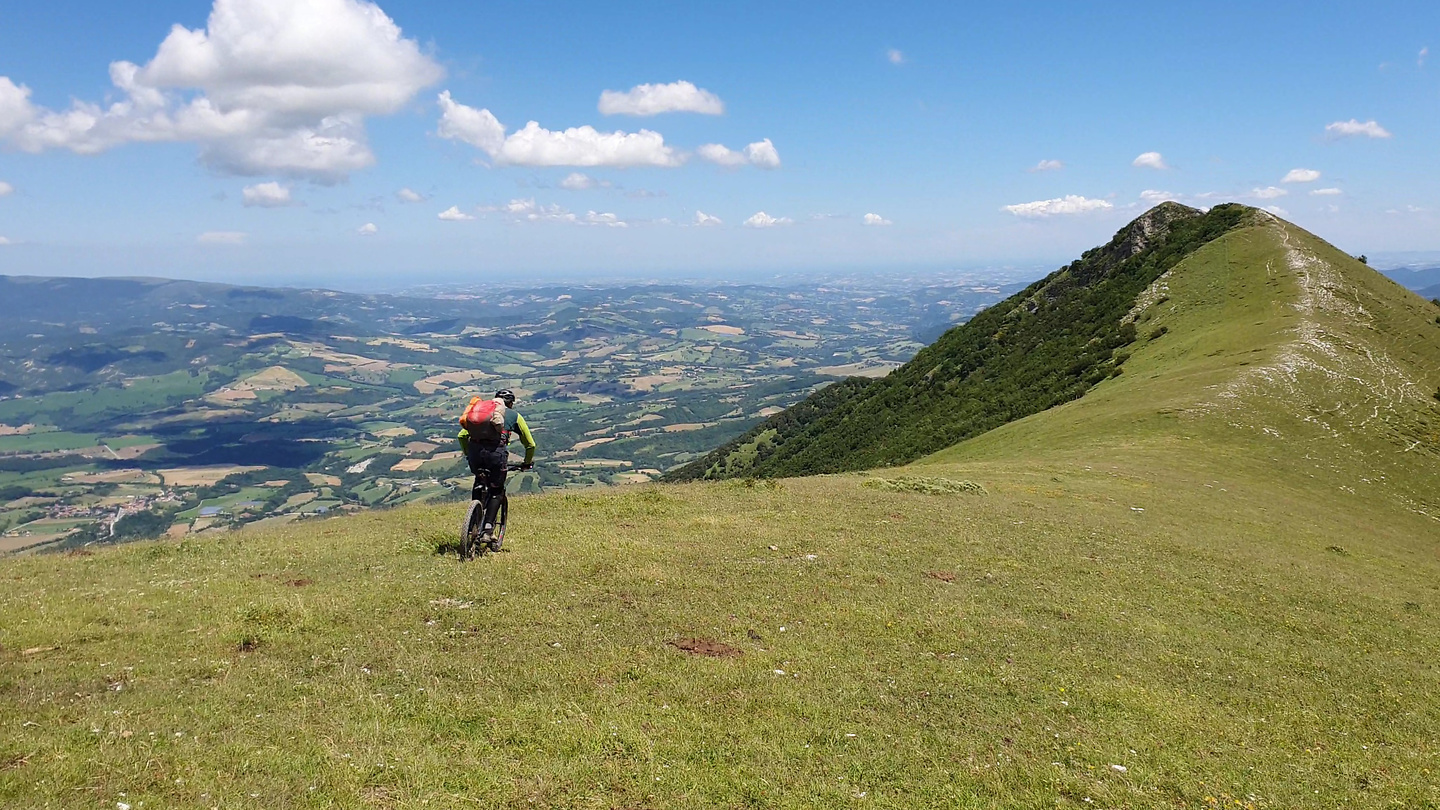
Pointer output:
x,y
470,529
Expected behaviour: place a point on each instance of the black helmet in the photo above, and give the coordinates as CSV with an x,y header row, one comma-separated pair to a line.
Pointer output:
x,y
507,395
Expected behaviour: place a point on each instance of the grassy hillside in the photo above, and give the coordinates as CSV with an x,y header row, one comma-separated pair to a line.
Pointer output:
x,y
1211,582
1046,345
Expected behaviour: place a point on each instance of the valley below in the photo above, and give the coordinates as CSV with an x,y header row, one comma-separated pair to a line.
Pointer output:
x,y
133,408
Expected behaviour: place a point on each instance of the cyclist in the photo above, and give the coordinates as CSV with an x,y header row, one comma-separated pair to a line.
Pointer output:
x,y
491,459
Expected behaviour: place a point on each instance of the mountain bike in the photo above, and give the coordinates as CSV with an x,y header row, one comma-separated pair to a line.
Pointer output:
x,y
474,524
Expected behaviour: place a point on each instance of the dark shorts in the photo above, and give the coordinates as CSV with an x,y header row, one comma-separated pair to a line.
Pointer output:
x,y
492,461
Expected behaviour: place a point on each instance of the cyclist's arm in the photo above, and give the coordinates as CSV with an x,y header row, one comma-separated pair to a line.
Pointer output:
x,y
525,438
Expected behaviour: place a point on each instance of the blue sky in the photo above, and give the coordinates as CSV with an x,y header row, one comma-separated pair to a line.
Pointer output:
x,y
279,140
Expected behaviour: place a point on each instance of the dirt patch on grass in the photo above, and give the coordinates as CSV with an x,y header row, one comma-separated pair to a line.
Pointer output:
x,y
201,476
299,583
943,576
709,649
925,486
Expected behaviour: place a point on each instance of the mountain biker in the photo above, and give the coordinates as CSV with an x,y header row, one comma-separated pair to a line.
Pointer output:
x,y
491,459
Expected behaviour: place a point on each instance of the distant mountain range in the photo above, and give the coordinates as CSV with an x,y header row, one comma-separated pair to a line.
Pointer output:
x,y
1416,278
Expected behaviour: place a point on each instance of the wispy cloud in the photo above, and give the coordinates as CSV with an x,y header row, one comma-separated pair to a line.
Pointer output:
x,y
6,189
266,195
407,195
1268,193
1060,206
1424,53
5,241
1300,176
1048,166
896,56
1355,128
368,229
704,220
654,99
527,210
1153,197
222,238
577,181
1326,192
1150,160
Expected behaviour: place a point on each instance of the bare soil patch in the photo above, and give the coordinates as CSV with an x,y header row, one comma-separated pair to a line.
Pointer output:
x,y
943,576
709,649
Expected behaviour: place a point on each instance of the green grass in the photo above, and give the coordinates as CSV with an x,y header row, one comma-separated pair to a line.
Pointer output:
x,y
1216,571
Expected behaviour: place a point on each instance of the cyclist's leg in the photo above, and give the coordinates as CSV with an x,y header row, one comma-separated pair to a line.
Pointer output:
x,y
495,469
474,457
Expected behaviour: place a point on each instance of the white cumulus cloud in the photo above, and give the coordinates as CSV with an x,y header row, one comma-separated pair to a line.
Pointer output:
x,y
1153,197
1150,160
1048,166
1070,204
368,229
6,189
654,99
764,220
408,195
265,195
1277,210
1268,193
1355,128
876,219
1300,176
705,220
896,56
267,87
454,214
15,108
222,238
761,154
1326,192
536,146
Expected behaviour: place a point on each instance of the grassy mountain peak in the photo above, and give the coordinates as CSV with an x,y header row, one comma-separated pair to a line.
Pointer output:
x,y
1046,345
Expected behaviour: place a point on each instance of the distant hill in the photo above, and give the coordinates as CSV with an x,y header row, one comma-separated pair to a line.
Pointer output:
x,y
1430,292
1046,345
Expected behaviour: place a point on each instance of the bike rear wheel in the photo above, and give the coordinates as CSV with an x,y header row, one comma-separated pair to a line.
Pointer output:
x,y
470,530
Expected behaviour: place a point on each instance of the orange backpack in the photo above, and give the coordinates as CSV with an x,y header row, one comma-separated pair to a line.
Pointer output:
x,y
484,418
